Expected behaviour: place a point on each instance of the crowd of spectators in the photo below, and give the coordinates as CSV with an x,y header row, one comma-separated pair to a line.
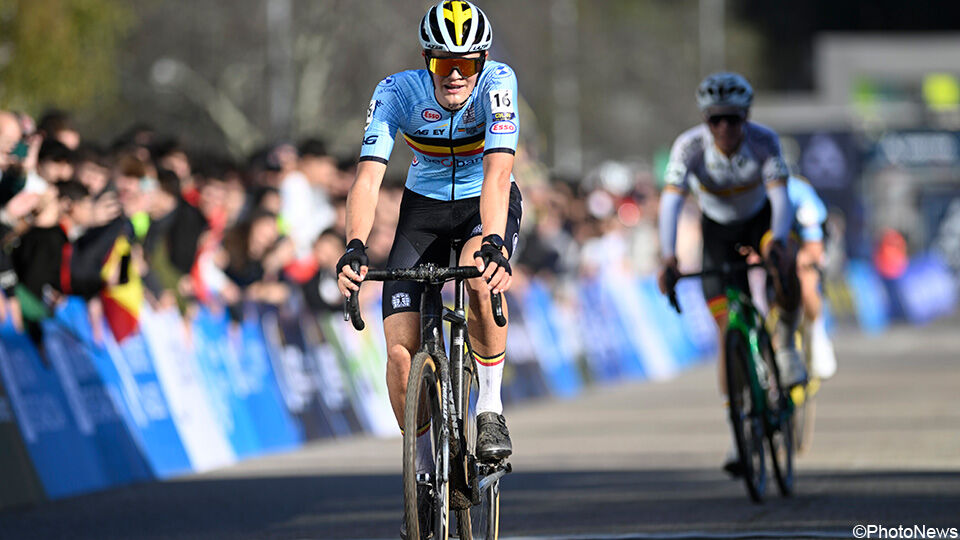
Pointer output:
x,y
184,228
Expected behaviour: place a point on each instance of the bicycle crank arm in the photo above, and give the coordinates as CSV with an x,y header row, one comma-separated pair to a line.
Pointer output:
x,y
501,471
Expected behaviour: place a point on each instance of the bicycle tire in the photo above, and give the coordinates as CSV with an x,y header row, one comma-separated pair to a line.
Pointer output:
x,y
805,406
464,521
481,520
424,376
779,430
745,420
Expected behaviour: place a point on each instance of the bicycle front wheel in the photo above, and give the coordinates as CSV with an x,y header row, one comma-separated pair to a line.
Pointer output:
x,y
426,500
746,418
480,521
779,427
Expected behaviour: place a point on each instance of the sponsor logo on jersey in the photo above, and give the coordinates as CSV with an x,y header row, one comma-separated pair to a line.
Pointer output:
x,y
503,128
372,139
447,162
370,110
431,115
503,116
388,81
415,161
501,72
469,115
477,230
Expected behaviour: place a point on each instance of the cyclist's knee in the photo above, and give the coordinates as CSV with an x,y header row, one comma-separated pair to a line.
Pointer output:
x,y
398,355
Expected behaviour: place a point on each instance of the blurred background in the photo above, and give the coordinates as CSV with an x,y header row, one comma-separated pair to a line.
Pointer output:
x,y
174,187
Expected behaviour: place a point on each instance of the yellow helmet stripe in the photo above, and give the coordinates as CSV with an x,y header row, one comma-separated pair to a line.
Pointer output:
x,y
458,13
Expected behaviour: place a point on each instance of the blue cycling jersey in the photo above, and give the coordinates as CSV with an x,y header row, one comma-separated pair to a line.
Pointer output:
x,y
809,211
448,147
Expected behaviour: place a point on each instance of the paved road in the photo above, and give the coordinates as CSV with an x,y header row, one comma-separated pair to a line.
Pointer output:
x,y
631,461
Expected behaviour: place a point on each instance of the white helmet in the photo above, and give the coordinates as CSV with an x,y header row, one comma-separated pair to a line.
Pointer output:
x,y
724,90
455,26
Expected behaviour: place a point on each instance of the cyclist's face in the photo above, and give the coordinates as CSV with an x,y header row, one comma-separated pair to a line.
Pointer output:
x,y
727,130
452,89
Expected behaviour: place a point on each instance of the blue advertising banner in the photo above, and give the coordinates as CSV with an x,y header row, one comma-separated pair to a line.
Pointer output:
x,y
927,289
870,298
606,350
558,365
218,367
203,437
60,444
148,406
94,391
257,385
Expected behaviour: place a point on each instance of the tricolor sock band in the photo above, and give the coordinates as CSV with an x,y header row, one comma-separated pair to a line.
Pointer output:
x,y
489,377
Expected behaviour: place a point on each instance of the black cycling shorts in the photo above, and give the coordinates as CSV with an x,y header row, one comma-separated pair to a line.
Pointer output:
x,y
720,246
424,234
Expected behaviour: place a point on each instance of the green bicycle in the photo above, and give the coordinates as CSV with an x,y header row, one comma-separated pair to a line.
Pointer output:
x,y
761,410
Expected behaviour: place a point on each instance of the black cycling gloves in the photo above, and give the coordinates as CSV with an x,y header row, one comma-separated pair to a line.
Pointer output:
x,y
356,252
491,252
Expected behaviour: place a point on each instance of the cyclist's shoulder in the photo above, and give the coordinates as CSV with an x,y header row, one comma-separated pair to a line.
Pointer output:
x,y
413,83
497,73
760,136
690,144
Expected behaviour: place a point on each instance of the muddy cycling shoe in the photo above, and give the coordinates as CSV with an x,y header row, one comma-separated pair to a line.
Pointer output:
x,y
493,438
424,510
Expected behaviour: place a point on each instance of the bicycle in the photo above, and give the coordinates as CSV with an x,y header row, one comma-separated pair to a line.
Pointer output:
x,y
803,395
441,388
761,410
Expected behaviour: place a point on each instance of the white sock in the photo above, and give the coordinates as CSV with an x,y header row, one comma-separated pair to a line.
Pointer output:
x,y
489,376
424,451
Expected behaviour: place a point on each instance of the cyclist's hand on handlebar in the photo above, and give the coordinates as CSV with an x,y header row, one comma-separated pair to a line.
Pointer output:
x,y
667,277
348,279
494,264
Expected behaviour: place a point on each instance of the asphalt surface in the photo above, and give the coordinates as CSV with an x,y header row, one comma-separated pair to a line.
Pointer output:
x,y
635,460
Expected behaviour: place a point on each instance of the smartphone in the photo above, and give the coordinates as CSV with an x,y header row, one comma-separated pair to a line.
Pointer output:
x,y
20,150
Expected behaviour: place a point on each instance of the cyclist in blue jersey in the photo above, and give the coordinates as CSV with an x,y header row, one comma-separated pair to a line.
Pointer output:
x,y
459,117
809,216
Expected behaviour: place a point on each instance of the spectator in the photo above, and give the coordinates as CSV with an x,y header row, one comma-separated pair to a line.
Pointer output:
x,y
58,126
306,205
55,162
321,293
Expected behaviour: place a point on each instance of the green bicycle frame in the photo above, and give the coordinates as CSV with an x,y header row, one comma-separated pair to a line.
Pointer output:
x,y
743,317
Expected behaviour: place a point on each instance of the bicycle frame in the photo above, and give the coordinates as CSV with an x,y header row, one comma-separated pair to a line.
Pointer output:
x,y
744,317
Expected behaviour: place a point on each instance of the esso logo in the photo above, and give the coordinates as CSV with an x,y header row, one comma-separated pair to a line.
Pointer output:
x,y
431,115
503,128
415,161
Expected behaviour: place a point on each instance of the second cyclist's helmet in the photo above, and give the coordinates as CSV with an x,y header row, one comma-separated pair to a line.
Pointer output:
x,y
455,26
724,90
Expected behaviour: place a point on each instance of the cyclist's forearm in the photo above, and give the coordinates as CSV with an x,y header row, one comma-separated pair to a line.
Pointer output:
x,y
362,199
671,202
495,193
781,211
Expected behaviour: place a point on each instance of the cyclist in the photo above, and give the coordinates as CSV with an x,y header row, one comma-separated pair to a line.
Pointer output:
x,y
736,170
810,215
459,116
